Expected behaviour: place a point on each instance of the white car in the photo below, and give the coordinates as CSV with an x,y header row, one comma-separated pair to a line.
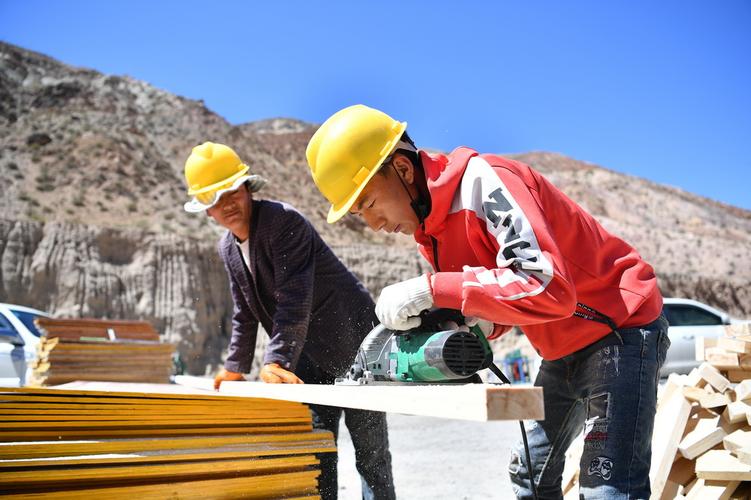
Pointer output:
x,y
689,319
19,338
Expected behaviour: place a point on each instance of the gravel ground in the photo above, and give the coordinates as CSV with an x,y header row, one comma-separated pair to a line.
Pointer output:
x,y
436,458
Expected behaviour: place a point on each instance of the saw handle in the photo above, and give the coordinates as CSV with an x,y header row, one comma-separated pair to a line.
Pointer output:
x,y
433,318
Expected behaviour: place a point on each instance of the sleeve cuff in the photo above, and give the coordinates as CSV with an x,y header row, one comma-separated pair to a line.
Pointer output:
x,y
447,290
282,361
234,366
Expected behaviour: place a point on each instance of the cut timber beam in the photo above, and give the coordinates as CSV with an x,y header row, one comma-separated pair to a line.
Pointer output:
x,y
721,465
734,344
705,435
713,490
743,454
478,402
738,329
737,440
743,391
736,412
713,377
670,422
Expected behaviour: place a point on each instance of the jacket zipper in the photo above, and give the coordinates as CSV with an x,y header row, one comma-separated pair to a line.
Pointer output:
x,y
435,254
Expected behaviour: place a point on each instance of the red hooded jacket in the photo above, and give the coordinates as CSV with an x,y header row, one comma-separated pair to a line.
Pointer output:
x,y
508,246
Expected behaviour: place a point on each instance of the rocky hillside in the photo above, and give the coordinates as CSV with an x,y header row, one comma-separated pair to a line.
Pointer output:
x,y
91,219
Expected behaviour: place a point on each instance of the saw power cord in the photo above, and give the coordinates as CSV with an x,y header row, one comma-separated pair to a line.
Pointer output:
x,y
530,468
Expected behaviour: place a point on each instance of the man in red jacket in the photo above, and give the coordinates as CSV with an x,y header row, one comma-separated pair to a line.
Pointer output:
x,y
510,248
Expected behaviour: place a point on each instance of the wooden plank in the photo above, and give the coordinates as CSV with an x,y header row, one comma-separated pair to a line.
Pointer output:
x,y
104,347
743,454
571,465
129,393
694,394
739,375
714,400
160,413
713,377
75,434
61,425
478,402
269,486
703,437
738,329
36,450
713,490
736,412
737,440
722,359
734,344
670,491
74,328
61,478
160,456
744,360
696,483
694,379
743,391
701,345
721,465
670,421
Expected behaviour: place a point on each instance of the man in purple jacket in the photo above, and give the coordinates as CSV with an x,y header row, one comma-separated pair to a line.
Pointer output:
x,y
316,312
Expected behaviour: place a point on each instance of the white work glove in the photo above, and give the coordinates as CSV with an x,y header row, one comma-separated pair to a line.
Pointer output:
x,y
486,326
400,304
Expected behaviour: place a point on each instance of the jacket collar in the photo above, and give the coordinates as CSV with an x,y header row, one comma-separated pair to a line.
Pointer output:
x,y
443,174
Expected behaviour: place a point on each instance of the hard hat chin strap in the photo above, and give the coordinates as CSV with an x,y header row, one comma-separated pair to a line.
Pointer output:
x,y
418,205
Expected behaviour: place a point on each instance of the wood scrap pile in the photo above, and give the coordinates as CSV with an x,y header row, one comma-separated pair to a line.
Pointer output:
x,y
701,445
75,443
88,349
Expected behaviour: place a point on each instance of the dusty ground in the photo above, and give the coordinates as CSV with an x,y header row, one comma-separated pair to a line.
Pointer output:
x,y
437,458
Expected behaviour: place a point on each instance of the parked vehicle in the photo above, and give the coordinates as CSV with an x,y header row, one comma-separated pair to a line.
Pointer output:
x,y
688,320
19,338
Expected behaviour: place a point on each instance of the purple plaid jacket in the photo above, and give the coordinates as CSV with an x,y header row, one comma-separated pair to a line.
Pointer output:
x,y
301,293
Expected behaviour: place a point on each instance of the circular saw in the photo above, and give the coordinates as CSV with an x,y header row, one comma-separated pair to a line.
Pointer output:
x,y
443,349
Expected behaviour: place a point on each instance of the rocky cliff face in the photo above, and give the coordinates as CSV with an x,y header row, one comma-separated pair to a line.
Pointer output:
x,y
91,220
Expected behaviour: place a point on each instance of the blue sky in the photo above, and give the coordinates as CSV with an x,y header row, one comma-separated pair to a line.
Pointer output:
x,y
660,90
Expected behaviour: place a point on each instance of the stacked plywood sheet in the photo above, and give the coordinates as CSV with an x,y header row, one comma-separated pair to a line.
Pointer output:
x,y
701,445
160,442
87,349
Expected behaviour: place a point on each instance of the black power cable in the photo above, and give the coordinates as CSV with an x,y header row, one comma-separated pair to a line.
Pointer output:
x,y
530,468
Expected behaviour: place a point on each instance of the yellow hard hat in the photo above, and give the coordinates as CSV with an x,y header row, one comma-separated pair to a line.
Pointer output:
x,y
347,151
213,169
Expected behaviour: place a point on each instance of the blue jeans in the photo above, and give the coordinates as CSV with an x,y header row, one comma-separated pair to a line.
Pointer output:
x,y
610,389
369,435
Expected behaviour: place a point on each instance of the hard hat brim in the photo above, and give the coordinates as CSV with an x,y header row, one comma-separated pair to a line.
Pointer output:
x,y
341,209
255,183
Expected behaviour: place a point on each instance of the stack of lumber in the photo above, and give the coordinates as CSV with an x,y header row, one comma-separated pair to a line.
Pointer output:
x,y
701,445
89,349
159,442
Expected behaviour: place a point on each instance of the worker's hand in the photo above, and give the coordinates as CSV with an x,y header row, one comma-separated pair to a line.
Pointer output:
x,y
275,374
485,326
400,304
489,329
226,375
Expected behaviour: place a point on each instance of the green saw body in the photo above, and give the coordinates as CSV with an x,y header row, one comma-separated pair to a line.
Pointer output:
x,y
427,354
